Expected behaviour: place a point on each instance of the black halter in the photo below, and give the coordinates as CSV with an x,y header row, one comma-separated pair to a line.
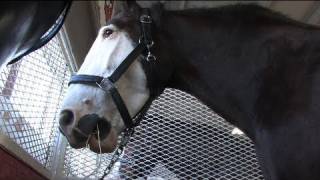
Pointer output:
x,y
107,83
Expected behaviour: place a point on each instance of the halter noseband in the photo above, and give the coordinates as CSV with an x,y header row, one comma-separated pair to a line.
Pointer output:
x,y
107,83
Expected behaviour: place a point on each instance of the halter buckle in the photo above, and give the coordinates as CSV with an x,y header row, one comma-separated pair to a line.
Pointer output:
x,y
145,19
105,84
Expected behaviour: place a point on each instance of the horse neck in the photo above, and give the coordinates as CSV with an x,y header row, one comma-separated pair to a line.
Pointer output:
x,y
209,61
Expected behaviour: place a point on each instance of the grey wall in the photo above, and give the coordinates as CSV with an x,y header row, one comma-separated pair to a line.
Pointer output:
x,y
81,29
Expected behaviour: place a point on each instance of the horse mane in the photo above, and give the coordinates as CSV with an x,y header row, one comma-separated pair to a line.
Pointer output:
x,y
249,13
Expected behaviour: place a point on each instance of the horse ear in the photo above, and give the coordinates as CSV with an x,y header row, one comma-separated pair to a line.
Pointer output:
x,y
122,6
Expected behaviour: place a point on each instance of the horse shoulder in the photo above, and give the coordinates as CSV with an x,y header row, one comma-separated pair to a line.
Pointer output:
x,y
288,107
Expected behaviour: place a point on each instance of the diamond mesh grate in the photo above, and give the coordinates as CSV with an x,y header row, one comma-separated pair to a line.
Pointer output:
x,y
180,138
30,93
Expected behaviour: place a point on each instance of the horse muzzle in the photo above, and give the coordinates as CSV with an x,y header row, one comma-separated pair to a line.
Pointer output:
x,y
89,128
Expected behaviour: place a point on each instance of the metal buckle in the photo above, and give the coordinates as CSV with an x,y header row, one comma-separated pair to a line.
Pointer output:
x,y
105,85
145,19
151,57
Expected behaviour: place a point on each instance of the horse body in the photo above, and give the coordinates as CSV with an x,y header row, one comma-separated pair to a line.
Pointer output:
x,y
255,68
260,74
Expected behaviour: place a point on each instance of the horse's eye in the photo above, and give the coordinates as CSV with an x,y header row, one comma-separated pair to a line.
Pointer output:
x,y
107,33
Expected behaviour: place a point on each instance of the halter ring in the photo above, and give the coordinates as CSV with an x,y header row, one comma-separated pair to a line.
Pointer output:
x,y
151,57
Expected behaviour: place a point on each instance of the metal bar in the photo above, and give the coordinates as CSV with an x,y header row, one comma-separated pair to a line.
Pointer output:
x,y
59,154
60,150
67,49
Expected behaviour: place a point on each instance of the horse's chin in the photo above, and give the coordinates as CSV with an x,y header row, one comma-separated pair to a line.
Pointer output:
x,y
107,145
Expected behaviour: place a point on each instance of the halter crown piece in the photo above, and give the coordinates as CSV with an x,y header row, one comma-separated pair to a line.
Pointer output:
x,y
107,83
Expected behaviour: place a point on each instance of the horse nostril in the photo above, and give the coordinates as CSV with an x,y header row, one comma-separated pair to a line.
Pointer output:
x,y
66,118
104,129
89,123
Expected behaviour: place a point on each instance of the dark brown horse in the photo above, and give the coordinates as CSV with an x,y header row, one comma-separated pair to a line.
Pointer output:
x,y
256,68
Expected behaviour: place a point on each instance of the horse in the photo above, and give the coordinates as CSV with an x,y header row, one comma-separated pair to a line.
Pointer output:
x,y
256,68
28,25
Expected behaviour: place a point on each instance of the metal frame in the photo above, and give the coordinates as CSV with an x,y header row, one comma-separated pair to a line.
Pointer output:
x,y
54,169
67,50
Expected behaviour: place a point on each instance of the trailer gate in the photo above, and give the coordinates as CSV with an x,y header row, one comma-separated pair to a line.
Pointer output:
x,y
180,138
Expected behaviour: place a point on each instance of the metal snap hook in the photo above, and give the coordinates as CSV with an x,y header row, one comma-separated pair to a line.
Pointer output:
x,y
149,45
151,57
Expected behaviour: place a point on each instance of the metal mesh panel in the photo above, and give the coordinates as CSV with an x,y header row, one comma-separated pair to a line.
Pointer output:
x,y
179,138
30,93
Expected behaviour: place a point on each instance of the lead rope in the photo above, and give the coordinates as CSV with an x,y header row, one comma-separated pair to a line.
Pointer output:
x,y
124,141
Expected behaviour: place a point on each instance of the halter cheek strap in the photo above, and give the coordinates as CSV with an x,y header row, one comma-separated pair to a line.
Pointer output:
x,y
107,83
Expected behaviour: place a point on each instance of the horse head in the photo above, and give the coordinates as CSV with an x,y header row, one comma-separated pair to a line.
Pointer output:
x,y
112,85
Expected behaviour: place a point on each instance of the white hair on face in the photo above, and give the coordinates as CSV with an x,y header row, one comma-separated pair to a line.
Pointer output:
x,y
103,58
